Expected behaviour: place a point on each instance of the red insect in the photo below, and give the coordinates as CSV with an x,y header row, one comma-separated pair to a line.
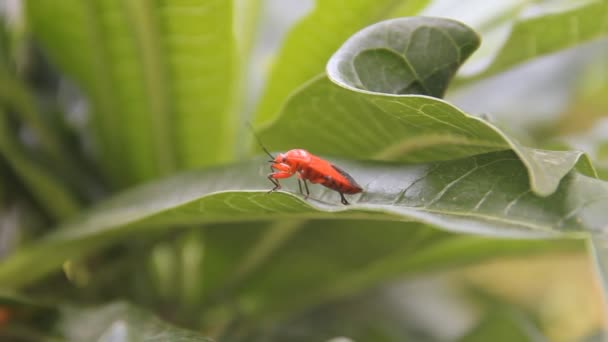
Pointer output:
x,y
308,167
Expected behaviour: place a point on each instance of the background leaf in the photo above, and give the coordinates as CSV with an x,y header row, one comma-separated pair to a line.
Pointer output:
x,y
120,322
540,35
136,61
48,191
346,257
214,252
504,326
302,57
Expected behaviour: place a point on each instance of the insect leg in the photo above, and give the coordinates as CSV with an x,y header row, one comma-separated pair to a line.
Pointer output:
x,y
306,186
274,178
274,182
343,199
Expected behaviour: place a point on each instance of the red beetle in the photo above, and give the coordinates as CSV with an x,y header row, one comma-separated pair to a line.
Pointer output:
x,y
309,167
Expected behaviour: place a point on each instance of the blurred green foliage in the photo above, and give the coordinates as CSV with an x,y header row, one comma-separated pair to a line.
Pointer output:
x,y
98,97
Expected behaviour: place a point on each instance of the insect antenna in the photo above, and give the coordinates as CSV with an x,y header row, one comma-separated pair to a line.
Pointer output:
x,y
260,141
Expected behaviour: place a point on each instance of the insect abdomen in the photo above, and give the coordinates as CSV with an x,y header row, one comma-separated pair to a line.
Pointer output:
x,y
340,180
341,187
350,185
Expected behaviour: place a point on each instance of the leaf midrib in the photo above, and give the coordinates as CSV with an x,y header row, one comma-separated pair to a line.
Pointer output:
x,y
379,212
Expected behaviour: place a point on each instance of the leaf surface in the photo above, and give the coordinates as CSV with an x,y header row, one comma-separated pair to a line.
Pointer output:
x,y
159,76
311,42
487,194
343,258
406,128
363,124
417,55
552,32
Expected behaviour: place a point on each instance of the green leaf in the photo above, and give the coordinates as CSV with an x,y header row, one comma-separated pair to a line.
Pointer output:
x,y
504,326
14,94
381,315
501,320
593,141
362,124
5,42
17,299
541,35
394,56
487,194
368,317
246,20
159,76
407,128
302,58
342,258
16,97
49,192
598,249
119,322
408,8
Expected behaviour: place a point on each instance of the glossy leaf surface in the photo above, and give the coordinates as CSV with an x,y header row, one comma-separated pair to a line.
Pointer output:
x,y
487,194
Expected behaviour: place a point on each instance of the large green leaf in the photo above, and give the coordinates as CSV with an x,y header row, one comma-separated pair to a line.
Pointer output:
x,y
342,258
312,41
159,76
487,194
410,128
541,35
120,322
384,124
